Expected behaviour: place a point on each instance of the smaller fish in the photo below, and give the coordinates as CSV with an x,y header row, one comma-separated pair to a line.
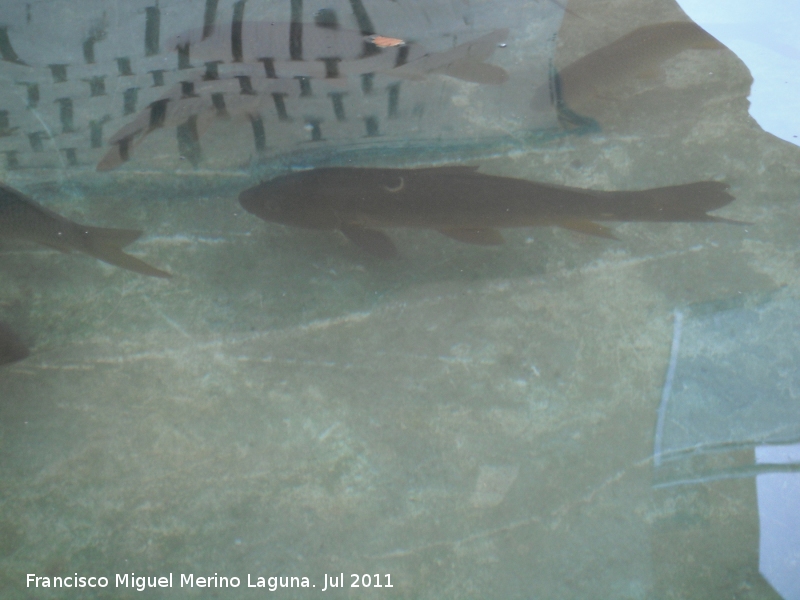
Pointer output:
x,y
335,56
287,50
12,348
22,218
462,204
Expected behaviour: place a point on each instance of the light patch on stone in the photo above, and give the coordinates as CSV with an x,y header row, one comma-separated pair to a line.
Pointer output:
x,y
493,485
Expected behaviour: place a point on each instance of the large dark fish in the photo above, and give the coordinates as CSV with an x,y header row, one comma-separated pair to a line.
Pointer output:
x,y
12,348
22,218
462,204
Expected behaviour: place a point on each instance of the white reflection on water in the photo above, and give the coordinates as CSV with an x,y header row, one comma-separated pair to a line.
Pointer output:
x,y
779,520
766,36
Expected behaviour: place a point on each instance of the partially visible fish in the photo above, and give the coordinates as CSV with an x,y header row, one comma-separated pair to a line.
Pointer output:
x,y
640,52
462,204
296,49
12,348
22,218
265,68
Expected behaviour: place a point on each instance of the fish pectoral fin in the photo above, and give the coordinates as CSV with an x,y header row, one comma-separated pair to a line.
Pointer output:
x,y
375,242
587,227
476,72
485,236
106,244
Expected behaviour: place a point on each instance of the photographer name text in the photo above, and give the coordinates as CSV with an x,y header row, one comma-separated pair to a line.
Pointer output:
x,y
272,583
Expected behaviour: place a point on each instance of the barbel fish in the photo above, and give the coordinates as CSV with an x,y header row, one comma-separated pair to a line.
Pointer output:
x,y
462,204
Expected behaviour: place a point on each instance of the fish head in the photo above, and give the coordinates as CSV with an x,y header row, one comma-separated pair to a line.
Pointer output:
x,y
290,200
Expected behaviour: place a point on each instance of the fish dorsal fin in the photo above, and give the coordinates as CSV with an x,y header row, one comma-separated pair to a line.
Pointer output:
x,y
375,242
485,236
587,227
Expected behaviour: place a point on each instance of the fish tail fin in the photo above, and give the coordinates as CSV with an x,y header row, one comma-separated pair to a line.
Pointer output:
x,y
106,244
678,203
692,201
465,61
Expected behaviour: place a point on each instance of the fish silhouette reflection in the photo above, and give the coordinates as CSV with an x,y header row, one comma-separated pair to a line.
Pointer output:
x,y
596,78
462,204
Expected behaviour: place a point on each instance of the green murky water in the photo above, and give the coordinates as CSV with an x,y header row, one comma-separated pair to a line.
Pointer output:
x,y
462,422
